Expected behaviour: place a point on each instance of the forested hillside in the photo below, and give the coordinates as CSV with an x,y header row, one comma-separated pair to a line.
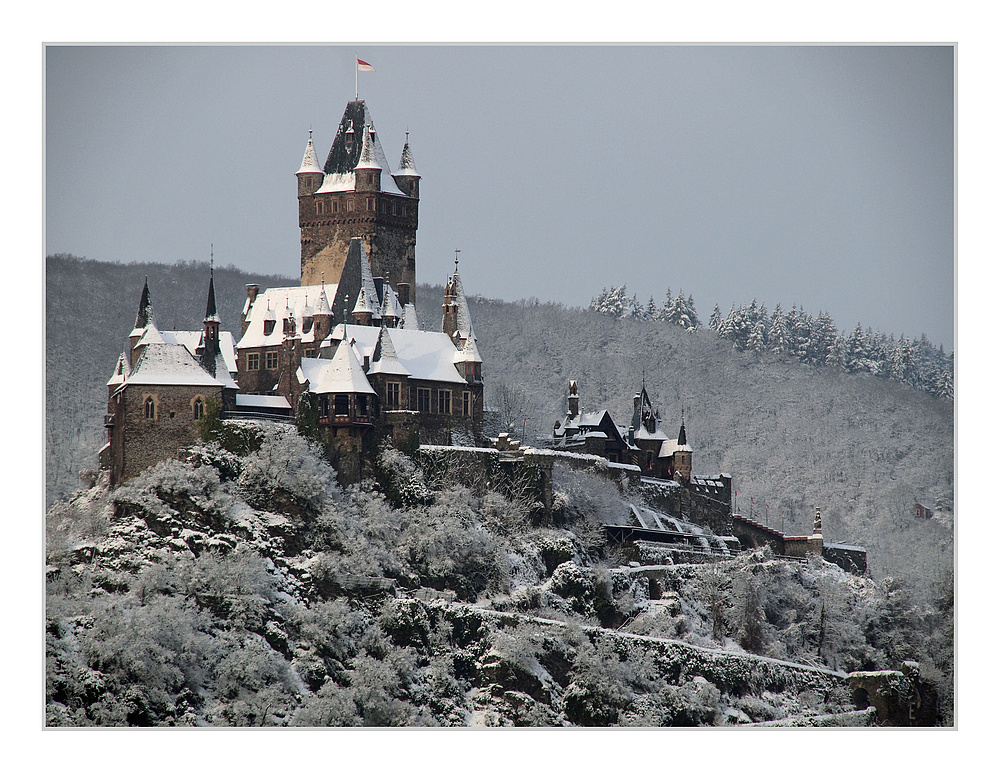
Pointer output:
x,y
238,588
864,449
793,436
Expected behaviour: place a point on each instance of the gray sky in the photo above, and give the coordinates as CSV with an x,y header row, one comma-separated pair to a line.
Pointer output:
x,y
820,176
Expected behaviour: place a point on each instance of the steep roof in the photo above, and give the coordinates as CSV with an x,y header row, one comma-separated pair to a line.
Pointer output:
x,y
469,351
121,370
367,158
309,161
384,358
345,152
342,374
426,355
145,314
463,317
406,165
211,315
192,338
357,273
295,298
164,364
409,319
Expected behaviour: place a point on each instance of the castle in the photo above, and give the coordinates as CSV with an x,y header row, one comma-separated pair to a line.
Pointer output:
x,y
343,349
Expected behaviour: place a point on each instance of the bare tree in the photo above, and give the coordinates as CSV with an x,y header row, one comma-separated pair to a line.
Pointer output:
x,y
513,403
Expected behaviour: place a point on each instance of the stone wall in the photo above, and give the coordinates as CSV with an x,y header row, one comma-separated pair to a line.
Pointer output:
x,y
143,442
390,240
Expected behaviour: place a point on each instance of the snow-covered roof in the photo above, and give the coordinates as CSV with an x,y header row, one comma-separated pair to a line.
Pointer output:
x,y
344,158
426,355
163,364
191,338
294,298
262,401
150,335
669,447
463,317
309,161
409,318
384,359
644,434
341,375
406,166
469,352
367,159
121,370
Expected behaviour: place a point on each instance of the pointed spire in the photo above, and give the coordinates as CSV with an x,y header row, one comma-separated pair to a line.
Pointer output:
x,y
682,435
145,315
367,159
406,165
310,163
211,315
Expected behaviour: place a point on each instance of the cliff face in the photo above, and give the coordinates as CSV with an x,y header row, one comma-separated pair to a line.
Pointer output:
x,y
246,587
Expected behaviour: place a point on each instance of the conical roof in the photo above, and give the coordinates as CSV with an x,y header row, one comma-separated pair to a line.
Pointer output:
x,y
367,159
211,315
469,351
310,163
145,316
406,165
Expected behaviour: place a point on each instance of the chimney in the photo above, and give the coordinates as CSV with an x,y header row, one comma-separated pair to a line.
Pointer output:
x,y
403,293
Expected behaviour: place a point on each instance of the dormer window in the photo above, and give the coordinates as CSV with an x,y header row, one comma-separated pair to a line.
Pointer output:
x,y
269,326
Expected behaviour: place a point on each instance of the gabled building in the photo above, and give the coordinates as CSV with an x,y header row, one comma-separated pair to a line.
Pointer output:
x,y
160,389
343,348
642,443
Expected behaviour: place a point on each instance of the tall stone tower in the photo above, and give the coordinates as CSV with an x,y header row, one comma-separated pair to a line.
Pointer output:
x,y
354,194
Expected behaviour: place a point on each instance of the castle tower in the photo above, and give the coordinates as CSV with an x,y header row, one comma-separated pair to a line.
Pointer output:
x,y
208,348
456,321
406,177
354,195
573,401
143,319
310,175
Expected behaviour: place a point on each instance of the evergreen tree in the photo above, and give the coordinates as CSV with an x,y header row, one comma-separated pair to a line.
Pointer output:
x,y
715,321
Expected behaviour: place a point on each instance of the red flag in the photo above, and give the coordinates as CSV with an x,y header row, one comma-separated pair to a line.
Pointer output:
x,y
363,66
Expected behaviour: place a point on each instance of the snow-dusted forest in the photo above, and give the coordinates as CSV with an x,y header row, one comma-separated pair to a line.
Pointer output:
x,y
237,587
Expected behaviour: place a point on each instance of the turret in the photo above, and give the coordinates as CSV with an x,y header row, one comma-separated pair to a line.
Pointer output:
x,y
208,347
406,177
573,401
310,175
362,313
143,319
368,172
322,318
456,321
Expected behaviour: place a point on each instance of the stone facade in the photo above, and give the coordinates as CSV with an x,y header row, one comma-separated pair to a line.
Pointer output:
x,y
143,437
355,195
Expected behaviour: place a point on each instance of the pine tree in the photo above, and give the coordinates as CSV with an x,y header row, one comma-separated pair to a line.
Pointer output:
x,y
715,321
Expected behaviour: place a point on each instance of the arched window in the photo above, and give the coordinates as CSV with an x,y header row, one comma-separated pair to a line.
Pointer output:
x,y
149,408
199,407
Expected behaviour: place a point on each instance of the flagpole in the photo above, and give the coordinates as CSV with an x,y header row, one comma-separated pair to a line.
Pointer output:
x,y
355,76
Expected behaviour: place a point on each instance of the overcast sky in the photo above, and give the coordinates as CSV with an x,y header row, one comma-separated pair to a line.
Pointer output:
x,y
819,176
